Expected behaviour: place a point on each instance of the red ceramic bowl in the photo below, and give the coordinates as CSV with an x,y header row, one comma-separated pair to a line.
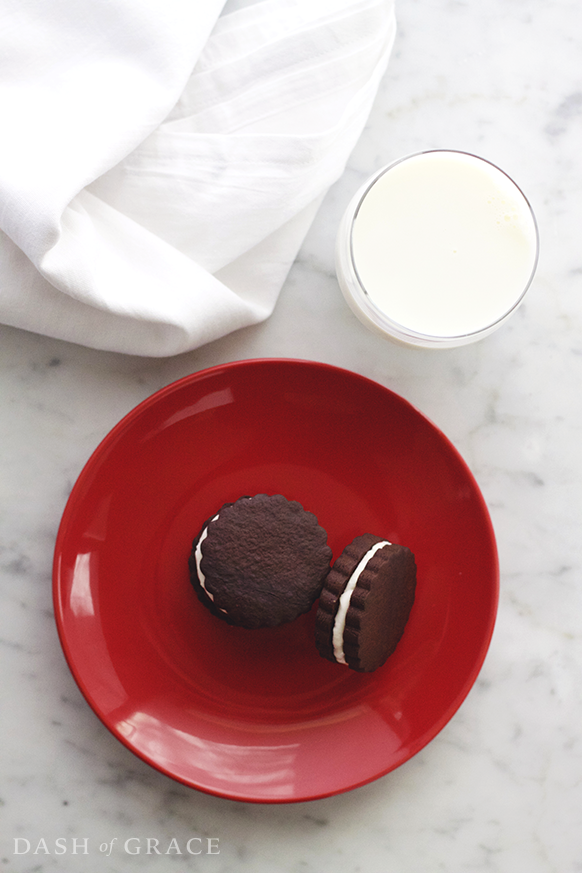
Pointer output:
x,y
259,715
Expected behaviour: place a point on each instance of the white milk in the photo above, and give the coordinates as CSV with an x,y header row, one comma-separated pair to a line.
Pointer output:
x,y
438,250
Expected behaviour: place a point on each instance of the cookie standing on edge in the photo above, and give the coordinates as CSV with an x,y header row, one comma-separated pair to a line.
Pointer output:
x,y
365,603
260,562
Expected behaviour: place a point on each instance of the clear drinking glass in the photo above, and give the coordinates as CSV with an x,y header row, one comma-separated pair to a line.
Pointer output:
x,y
437,249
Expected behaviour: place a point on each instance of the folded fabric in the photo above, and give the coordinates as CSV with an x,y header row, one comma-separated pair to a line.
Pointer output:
x,y
160,164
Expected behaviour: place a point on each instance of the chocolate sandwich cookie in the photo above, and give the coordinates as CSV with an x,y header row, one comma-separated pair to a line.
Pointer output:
x,y
260,562
365,603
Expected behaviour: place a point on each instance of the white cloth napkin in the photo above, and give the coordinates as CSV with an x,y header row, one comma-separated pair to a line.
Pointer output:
x,y
160,163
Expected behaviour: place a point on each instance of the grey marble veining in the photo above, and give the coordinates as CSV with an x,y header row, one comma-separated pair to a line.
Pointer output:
x,y
500,789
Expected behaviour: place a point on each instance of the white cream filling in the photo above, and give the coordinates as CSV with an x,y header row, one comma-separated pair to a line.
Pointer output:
x,y
198,559
339,623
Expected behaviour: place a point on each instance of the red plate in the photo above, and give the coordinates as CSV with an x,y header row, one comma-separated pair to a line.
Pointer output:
x,y
259,715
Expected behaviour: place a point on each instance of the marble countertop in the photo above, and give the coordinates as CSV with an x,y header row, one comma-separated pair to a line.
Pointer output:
x,y
500,788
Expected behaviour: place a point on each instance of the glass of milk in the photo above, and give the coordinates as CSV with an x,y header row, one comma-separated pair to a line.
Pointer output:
x,y
437,249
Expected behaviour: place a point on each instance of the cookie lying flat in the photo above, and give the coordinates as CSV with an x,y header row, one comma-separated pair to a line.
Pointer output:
x,y
365,603
260,562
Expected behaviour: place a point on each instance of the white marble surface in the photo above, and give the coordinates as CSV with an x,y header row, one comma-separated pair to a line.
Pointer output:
x,y
500,789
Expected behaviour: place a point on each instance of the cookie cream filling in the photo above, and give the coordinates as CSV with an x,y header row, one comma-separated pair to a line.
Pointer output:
x,y
198,559
339,623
